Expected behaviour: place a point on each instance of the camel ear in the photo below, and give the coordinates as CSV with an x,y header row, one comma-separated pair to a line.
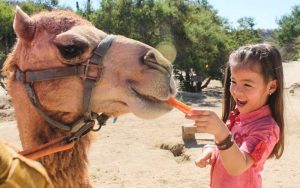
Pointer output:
x,y
23,25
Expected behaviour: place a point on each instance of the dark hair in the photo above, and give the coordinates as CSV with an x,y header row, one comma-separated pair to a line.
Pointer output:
x,y
269,59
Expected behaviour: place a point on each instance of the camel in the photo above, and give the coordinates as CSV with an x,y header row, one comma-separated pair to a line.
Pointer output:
x,y
135,78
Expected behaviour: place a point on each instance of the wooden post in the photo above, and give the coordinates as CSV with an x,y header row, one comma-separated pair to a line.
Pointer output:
x,y
188,133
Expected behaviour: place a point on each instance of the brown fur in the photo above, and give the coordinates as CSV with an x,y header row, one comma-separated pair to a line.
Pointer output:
x,y
62,99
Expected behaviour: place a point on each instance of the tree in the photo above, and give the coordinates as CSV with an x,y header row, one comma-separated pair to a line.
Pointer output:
x,y
288,34
246,23
86,12
6,31
205,52
244,34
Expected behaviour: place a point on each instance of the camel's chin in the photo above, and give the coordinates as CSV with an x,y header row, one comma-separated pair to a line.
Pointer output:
x,y
146,111
147,107
141,108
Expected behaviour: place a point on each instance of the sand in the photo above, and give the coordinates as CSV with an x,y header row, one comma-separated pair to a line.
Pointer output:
x,y
136,153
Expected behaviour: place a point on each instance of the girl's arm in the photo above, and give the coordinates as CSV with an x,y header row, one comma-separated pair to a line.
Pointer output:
x,y
234,160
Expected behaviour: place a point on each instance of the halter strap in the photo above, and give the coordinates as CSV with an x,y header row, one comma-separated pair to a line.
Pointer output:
x,y
90,72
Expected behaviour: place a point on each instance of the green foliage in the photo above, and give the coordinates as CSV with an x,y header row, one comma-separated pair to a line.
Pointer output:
x,y
288,34
134,19
189,33
6,18
246,23
244,34
30,7
6,31
205,50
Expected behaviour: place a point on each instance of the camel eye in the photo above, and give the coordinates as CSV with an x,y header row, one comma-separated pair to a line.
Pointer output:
x,y
70,51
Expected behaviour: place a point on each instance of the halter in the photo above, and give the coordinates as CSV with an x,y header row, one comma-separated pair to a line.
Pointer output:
x,y
90,72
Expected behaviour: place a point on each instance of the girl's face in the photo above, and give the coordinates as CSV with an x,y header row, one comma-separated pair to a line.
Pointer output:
x,y
249,89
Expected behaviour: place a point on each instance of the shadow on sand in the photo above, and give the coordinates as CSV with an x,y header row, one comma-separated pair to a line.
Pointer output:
x,y
210,97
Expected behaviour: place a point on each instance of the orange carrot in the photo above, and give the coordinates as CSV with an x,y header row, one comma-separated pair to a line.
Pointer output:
x,y
179,105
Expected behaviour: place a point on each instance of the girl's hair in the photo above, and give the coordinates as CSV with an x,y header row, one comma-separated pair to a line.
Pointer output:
x,y
269,59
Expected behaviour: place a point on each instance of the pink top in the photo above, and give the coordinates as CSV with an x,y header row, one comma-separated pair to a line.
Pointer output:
x,y
256,133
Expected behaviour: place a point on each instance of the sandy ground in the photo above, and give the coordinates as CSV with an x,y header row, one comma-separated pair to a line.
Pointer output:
x,y
136,153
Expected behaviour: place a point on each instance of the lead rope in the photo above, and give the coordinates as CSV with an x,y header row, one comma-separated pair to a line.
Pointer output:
x,y
64,143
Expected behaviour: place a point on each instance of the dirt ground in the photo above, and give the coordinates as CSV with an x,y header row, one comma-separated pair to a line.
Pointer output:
x,y
140,153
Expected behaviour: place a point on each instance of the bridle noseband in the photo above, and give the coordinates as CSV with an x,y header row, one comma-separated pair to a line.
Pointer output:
x,y
90,72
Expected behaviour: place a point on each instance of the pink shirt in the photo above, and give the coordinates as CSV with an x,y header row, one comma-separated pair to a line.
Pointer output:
x,y
256,133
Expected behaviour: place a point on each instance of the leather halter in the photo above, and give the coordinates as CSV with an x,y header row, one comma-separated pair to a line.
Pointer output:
x,y
90,72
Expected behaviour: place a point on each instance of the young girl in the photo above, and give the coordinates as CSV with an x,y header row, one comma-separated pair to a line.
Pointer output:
x,y
253,108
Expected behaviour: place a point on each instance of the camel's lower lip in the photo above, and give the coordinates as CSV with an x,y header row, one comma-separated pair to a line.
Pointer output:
x,y
147,98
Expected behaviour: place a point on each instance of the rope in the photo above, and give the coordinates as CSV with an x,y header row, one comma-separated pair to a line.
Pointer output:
x,y
48,148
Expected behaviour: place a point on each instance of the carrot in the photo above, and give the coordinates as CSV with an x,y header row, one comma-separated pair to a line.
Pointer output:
x,y
180,105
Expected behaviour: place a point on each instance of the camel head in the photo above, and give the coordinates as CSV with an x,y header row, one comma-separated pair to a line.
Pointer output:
x,y
134,77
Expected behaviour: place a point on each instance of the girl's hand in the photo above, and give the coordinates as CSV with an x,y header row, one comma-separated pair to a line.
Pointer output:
x,y
207,158
208,121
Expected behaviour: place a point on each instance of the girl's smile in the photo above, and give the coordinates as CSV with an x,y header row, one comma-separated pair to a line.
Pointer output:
x,y
240,103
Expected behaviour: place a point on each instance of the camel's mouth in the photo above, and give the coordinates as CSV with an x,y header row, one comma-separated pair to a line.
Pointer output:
x,y
147,106
147,98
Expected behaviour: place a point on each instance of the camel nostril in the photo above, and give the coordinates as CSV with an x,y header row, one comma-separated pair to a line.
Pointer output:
x,y
158,62
150,56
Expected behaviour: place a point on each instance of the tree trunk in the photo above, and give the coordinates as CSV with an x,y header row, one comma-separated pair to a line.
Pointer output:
x,y
205,83
187,82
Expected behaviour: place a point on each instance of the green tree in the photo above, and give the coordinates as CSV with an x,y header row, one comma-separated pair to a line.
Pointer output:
x,y
244,33
6,31
205,49
86,11
288,34
246,23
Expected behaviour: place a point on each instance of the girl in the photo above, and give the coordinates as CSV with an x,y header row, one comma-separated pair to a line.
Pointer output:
x,y
253,108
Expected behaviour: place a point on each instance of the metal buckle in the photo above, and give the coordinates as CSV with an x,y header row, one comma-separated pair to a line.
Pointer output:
x,y
81,131
90,70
